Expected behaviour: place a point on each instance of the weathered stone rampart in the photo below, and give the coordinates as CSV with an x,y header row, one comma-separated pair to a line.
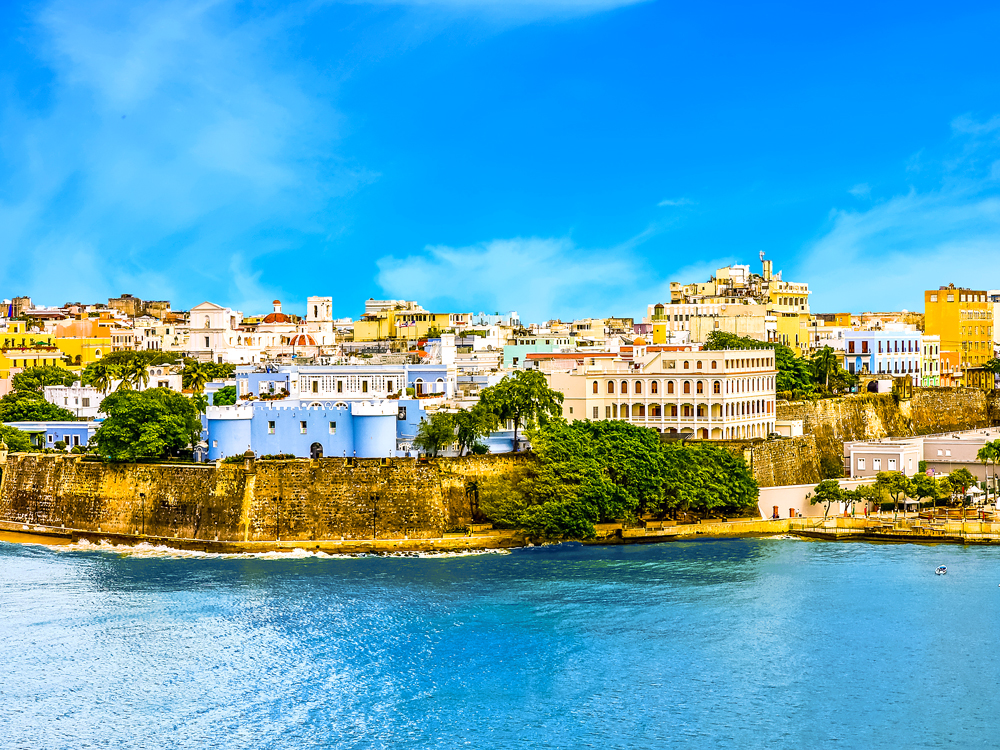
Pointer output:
x,y
294,499
780,462
868,416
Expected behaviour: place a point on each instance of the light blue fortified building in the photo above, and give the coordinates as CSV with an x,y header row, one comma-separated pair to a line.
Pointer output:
x,y
328,410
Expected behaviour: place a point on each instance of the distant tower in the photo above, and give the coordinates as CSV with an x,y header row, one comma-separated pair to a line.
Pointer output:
x,y
319,319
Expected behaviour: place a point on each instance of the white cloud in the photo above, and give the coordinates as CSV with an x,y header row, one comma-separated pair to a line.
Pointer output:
x,y
884,258
171,139
540,278
861,190
676,202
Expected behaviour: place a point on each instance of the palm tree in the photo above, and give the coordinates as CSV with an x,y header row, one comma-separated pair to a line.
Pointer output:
x,y
200,401
104,375
196,375
825,363
134,375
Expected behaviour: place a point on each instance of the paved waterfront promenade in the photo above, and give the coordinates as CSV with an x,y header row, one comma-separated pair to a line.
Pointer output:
x,y
909,529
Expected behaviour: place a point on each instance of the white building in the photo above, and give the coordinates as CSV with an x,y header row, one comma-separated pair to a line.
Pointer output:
x,y
895,351
715,395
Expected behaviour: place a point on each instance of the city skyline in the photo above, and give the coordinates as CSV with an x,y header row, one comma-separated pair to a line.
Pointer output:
x,y
449,152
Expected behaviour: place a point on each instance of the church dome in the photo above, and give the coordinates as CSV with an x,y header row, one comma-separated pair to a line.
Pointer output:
x,y
303,339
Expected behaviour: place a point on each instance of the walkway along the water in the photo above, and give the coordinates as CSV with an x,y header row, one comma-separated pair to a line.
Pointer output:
x,y
482,537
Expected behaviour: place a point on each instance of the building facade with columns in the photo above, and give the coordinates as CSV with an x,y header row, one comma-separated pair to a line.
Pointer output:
x,y
711,395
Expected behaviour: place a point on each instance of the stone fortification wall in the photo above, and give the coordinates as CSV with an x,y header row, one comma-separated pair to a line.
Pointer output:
x,y
780,462
834,421
296,499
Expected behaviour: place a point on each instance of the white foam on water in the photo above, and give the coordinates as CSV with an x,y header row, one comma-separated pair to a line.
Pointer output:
x,y
147,550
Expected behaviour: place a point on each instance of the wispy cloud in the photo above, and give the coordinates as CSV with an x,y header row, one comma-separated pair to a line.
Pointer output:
x,y
886,256
676,202
169,138
861,190
541,278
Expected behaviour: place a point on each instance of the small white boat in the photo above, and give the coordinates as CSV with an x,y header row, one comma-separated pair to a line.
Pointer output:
x,y
940,570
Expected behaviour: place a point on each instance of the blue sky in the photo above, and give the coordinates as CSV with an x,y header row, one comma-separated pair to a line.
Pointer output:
x,y
561,158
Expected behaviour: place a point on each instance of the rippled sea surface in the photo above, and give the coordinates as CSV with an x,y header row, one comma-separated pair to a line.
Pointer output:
x,y
765,643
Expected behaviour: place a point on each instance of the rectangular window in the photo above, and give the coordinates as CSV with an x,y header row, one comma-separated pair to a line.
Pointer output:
x,y
861,464
86,402
66,401
951,297
571,410
215,443
303,427
76,440
315,386
850,347
364,386
388,387
333,428
597,413
340,386
892,464
607,412
876,464
933,298
50,438
270,428
207,344
947,451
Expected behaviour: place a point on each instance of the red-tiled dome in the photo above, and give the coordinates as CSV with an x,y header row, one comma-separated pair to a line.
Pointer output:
x,y
277,317
303,339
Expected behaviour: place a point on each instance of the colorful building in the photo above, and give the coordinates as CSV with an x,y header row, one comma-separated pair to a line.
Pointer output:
x,y
894,352
930,361
963,320
718,395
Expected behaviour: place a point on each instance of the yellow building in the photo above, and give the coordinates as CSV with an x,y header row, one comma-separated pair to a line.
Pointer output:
x,y
20,348
407,324
963,319
84,341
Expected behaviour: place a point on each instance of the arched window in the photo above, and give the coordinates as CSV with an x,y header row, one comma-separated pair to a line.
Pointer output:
x,y
715,365
716,387
611,386
697,365
700,387
624,387
638,387
654,387
702,410
595,386
687,365
687,386
670,386
614,411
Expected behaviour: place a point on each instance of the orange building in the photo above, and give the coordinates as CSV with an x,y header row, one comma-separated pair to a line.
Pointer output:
x,y
963,318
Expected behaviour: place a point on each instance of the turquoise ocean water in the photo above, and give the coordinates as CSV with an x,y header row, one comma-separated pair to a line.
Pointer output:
x,y
770,643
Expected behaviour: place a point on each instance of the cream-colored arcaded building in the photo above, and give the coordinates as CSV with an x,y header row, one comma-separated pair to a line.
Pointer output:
x,y
716,395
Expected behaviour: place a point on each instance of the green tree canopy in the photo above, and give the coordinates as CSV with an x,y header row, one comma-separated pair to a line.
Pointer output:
x,y
473,424
147,424
590,472
435,433
895,484
17,441
827,493
523,398
28,406
34,379
960,480
924,487
225,396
